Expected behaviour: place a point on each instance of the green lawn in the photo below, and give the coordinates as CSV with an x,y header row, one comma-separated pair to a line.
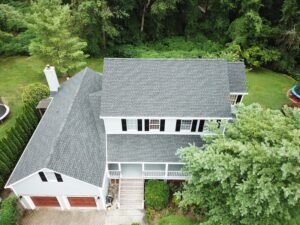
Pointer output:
x,y
268,88
16,73
176,220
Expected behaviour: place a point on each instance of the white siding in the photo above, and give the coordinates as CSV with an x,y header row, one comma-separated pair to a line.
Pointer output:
x,y
114,126
33,186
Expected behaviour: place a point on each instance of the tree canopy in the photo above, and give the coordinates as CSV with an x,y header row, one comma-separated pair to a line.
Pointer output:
x,y
249,175
54,42
265,31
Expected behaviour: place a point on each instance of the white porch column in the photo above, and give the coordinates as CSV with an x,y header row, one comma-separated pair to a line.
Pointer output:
x,y
27,203
166,171
143,169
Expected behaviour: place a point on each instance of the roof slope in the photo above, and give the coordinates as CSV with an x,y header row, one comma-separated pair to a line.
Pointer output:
x,y
237,77
148,148
165,87
66,139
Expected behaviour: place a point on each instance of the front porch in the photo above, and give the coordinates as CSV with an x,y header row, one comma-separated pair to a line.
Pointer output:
x,y
165,171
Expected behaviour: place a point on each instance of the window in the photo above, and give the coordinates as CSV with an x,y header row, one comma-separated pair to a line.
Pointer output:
x,y
43,177
154,124
185,125
58,177
131,124
233,99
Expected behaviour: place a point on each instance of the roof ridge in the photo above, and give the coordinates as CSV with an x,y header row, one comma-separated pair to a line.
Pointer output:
x,y
83,72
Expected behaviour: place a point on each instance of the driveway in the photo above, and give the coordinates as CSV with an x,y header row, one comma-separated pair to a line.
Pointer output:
x,y
82,217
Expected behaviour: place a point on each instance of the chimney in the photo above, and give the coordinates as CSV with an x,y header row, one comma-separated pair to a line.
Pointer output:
x,y
51,78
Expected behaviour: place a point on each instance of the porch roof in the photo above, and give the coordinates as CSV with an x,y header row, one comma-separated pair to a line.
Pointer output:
x,y
147,148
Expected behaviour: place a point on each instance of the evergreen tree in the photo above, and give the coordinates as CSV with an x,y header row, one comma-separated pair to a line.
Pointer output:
x,y
54,42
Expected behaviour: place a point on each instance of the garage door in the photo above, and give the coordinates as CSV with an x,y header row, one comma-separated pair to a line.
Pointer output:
x,y
45,201
82,201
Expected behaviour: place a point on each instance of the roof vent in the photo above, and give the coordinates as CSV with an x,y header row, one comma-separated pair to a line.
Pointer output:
x,y
51,78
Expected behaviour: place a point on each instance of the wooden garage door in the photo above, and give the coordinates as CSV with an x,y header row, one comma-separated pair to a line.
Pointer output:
x,y
82,201
45,201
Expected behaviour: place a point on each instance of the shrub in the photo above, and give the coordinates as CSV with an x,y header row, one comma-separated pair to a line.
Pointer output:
x,y
149,215
176,220
8,212
156,194
34,93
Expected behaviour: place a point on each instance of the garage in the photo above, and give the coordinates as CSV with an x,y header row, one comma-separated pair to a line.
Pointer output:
x,y
45,201
82,201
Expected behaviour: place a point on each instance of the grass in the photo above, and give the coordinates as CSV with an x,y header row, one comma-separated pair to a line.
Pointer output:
x,y
17,72
268,88
176,220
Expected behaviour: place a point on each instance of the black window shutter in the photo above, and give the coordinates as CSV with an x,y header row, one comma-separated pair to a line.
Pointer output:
x,y
162,125
146,125
239,98
58,177
43,177
201,125
194,125
124,125
140,125
178,123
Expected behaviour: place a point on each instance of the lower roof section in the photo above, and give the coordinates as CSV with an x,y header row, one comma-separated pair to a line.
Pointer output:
x,y
148,148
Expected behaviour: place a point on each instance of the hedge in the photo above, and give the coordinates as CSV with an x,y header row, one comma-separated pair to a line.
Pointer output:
x,y
17,137
156,194
8,211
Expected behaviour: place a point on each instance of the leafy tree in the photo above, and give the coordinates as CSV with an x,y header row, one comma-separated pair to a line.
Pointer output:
x,y
251,174
34,93
54,43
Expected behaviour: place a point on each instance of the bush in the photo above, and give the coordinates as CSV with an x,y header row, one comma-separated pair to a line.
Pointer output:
x,y
8,212
149,215
34,93
156,194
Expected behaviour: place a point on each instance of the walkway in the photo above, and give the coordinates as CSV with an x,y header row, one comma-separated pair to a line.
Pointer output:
x,y
82,217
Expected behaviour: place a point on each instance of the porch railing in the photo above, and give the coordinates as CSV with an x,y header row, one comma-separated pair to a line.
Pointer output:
x,y
153,174
114,173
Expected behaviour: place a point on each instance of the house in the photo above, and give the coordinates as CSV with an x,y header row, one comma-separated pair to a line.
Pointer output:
x,y
125,125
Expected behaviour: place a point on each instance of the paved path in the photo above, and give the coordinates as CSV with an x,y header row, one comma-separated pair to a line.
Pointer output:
x,y
82,217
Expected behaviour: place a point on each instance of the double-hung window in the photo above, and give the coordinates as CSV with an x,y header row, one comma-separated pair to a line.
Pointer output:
x,y
233,99
131,124
154,124
186,125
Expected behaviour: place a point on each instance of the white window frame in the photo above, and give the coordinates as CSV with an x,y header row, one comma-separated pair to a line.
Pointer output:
x,y
233,101
186,129
50,176
156,124
131,124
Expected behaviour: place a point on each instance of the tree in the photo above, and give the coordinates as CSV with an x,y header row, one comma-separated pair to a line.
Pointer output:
x,y
34,93
251,174
54,43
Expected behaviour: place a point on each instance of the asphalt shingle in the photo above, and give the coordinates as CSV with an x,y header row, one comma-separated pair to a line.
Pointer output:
x,y
165,87
66,139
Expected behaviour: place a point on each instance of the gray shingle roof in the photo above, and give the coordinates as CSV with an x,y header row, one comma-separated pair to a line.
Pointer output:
x,y
147,148
66,139
237,77
165,87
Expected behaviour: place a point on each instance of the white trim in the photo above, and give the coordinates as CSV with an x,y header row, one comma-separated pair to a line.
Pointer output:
x,y
163,163
166,117
239,93
26,146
